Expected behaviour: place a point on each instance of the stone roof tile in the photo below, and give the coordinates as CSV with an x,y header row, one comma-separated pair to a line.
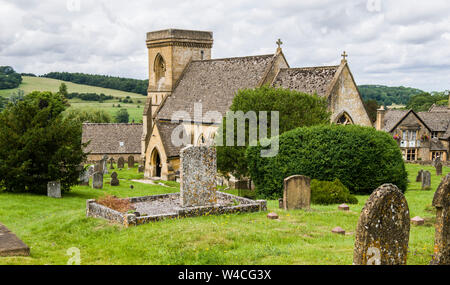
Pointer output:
x,y
112,138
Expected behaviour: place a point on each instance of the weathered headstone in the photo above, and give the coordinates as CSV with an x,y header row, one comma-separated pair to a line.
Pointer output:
x,y
91,170
297,192
141,169
198,167
97,180
114,180
418,221
441,202
11,245
344,207
111,163
130,161
435,161
104,162
54,189
382,234
280,203
98,167
438,167
84,178
120,162
272,216
426,180
419,176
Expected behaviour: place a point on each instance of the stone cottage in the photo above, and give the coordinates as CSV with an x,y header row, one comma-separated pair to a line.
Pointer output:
x,y
182,73
421,136
114,140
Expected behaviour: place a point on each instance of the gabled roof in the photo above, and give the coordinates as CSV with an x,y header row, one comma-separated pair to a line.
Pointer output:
x,y
165,130
440,109
437,121
307,79
112,138
406,115
214,84
391,118
436,144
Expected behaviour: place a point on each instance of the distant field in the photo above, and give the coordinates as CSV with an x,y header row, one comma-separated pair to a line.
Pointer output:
x,y
30,84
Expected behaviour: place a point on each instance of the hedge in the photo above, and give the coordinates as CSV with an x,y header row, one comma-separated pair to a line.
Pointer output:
x,y
360,157
326,193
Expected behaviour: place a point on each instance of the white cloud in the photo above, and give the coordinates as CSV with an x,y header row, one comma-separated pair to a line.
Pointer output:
x,y
402,42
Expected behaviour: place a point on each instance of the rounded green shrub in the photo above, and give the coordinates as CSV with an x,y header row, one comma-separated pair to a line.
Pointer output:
x,y
360,157
326,193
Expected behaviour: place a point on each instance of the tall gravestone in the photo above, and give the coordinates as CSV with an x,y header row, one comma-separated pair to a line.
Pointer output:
x,y
382,233
120,162
198,168
297,192
91,170
97,180
114,179
419,176
438,166
54,189
131,161
111,163
104,163
441,202
84,178
426,180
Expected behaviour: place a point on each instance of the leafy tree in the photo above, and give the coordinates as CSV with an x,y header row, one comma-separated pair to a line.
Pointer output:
x,y
372,107
17,96
63,89
122,116
38,145
3,103
386,96
424,101
88,115
9,79
295,109
362,158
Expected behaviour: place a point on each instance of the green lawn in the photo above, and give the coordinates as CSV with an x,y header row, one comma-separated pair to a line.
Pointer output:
x,y
52,226
30,84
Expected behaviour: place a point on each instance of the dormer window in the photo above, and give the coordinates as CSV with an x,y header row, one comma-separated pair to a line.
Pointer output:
x,y
434,135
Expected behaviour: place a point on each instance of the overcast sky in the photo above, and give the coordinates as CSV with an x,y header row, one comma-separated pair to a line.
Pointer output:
x,y
396,42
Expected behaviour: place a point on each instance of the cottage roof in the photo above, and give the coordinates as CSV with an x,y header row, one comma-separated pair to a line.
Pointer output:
x,y
437,121
392,117
112,138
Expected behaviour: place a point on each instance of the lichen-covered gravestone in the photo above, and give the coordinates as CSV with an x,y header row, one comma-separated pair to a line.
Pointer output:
x,y
426,180
97,180
382,233
111,163
114,179
84,177
54,189
131,161
297,192
198,169
441,202
120,162
104,163
141,169
91,170
419,176
438,167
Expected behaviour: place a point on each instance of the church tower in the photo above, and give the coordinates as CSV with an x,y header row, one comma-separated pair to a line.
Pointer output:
x,y
169,52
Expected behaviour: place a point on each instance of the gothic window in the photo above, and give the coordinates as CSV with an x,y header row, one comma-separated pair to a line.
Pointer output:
x,y
201,140
344,119
159,69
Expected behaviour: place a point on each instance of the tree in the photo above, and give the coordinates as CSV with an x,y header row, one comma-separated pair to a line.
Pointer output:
x,y
38,145
88,115
3,103
63,89
122,116
424,101
9,79
371,107
295,109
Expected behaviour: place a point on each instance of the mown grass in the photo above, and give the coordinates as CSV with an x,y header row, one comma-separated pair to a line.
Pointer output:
x,y
52,226
135,109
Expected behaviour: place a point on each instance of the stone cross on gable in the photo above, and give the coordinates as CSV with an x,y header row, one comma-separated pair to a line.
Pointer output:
x,y
279,43
344,55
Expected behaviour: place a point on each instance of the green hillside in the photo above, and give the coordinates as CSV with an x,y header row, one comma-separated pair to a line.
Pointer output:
x,y
135,109
388,95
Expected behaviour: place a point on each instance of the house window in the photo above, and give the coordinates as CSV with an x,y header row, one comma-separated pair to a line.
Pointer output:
x,y
436,154
411,154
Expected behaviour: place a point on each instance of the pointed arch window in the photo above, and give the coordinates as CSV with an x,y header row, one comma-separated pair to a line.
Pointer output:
x,y
159,69
344,119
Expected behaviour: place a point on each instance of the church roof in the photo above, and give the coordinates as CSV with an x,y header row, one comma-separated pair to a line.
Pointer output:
x,y
307,79
165,130
214,83
112,138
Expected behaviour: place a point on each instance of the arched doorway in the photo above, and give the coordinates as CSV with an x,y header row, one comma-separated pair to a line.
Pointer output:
x,y
156,164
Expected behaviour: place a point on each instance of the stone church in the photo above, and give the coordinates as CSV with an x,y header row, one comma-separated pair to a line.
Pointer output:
x,y
182,73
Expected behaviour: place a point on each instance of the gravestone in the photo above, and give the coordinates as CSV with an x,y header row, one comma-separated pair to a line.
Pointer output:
x,y
111,163
114,180
54,189
97,180
382,233
435,161
426,180
11,245
198,169
98,167
131,161
438,167
91,170
297,192
272,216
104,163
441,201
141,169
419,176
84,178
120,162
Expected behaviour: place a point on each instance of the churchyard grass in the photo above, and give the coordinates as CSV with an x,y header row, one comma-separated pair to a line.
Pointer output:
x,y
52,226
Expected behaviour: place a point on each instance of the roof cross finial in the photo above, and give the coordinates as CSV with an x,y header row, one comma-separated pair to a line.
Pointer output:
x,y
279,43
344,55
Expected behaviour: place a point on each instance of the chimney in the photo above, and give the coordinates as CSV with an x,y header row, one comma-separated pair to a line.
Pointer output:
x,y
379,125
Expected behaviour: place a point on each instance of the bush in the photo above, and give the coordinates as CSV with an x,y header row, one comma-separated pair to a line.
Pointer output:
x,y
361,157
122,116
326,193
